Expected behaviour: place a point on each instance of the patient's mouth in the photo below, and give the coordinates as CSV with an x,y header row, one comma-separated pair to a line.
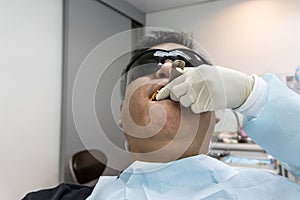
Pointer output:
x,y
158,87
176,71
153,96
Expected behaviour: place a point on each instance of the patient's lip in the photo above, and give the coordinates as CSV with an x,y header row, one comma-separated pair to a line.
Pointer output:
x,y
153,96
156,87
155,90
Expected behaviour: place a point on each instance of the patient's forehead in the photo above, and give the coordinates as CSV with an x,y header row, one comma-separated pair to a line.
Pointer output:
x,y
169,46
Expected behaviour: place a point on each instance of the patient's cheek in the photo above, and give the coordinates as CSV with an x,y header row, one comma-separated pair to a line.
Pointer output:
x,y
143,123
158,116
171,116
138,108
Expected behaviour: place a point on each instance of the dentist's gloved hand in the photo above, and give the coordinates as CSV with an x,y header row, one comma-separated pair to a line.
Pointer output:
x,y
209,88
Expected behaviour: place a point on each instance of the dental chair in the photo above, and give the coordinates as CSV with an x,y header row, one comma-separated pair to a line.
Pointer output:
x,y
87,166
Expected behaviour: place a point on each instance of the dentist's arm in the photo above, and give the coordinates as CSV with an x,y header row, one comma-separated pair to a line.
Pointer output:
x,y
271,119
271,110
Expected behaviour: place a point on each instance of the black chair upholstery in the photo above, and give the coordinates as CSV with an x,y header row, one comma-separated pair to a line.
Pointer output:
x,y
87,165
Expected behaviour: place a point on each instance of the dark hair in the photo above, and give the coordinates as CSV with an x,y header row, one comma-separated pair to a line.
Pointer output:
x,y
153,39
160,37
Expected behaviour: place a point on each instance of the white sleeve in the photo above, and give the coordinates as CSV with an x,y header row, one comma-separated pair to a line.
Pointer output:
x,y
272,116
256,100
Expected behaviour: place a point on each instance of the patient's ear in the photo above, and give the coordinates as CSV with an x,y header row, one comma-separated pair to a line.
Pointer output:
x,y
120,115
217,119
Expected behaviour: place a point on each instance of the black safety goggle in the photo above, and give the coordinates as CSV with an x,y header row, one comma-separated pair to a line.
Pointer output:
x,y
150,61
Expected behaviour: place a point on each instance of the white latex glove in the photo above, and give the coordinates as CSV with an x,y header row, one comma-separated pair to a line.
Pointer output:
x,y
209,88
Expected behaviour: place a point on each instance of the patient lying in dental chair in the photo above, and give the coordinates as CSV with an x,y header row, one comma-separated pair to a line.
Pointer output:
x,y
169,138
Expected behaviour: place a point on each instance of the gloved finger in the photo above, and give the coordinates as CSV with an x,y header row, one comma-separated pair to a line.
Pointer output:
x,y
196,108
187,69
163,93
203,103
189,98
180,89
173,97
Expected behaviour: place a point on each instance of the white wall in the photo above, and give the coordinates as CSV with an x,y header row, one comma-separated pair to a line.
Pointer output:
x,y
30,85
256,36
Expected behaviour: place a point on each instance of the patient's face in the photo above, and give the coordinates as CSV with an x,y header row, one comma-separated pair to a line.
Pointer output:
x,y
162,130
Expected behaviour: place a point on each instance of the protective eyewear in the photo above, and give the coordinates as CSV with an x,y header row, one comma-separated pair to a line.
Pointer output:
x,y
150,61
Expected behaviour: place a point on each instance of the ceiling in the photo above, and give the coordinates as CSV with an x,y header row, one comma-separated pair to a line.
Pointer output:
x,y
149,6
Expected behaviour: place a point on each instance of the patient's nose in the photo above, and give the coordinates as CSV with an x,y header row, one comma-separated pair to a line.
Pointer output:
x,y
165,69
